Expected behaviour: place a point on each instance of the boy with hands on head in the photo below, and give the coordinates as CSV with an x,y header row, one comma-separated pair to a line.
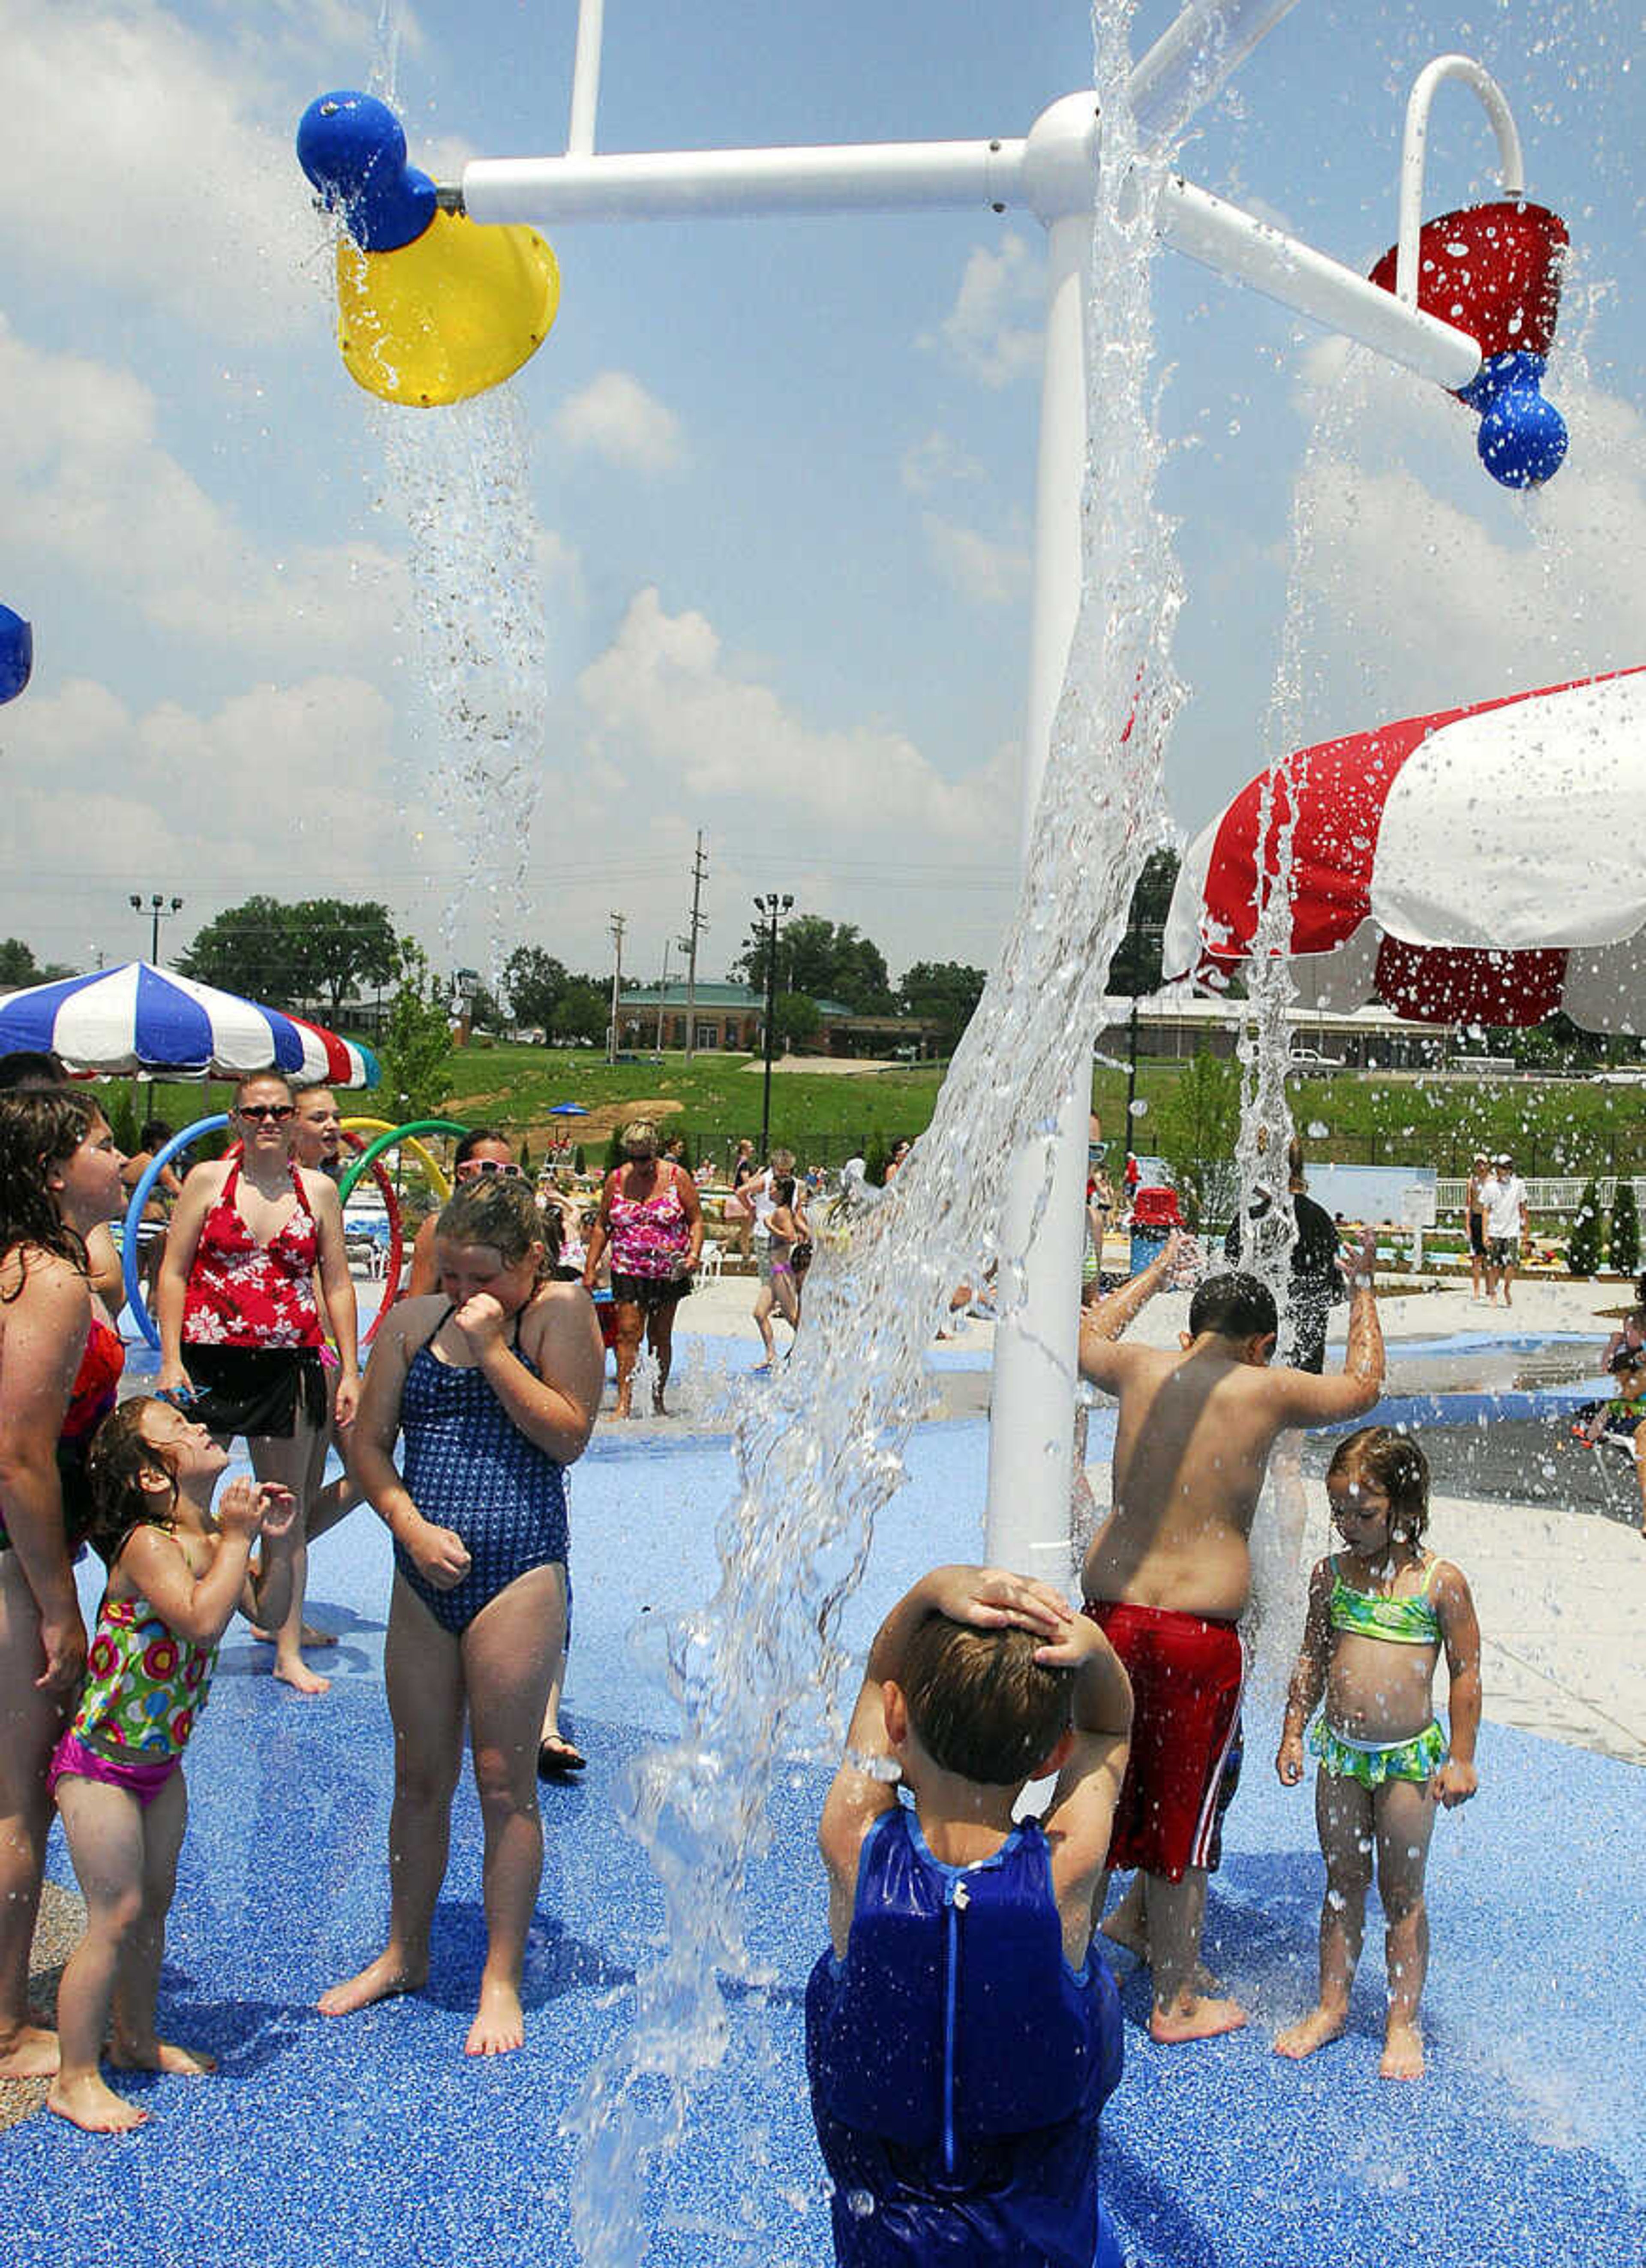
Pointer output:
x,y
961,2033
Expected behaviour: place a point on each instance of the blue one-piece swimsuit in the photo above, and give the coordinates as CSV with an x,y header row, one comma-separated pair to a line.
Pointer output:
x,y
958,2064
469,1468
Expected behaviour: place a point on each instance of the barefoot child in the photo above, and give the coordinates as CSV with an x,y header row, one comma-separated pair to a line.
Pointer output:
x,y
1378,1616
176,1576
961,2033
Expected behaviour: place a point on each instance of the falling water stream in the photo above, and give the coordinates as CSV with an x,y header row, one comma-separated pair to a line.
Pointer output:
x,y
819,1453
459,478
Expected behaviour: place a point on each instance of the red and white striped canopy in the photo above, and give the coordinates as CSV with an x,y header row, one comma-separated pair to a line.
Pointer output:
x,y
139,1018
1481,866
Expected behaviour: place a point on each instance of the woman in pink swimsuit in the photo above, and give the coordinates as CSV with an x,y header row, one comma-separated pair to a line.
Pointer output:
x,y
240,1333
59,1363
650,1218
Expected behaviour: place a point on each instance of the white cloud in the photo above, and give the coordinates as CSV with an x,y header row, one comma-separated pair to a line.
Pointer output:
x,y
986,329
1431,586
137,151
615,417
935,463
987,573
663,705
284,789
86,481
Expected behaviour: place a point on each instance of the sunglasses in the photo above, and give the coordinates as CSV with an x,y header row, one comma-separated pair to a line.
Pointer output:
x,y
278,1111
488,1166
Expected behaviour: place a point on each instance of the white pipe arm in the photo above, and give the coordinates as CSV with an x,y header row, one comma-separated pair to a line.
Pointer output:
x,y
705,184
1415,150
1193,60
1222,236
1051,173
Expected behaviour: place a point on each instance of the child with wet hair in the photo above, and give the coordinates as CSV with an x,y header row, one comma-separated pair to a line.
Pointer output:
x,y
177,1573
1380,1614
962,2037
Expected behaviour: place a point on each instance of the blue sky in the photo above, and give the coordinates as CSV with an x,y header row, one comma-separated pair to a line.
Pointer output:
x,y
781,470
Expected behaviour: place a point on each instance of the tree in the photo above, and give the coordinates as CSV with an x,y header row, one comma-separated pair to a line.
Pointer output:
x,y
1135,970
1195,1127
1624,1248
18,967
797,1020
1582,1240
310,949
416,1041
832,960
534,983
344,946
582,1011
944,992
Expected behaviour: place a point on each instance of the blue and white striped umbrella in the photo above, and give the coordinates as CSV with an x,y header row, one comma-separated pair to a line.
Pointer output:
x,y
142,1019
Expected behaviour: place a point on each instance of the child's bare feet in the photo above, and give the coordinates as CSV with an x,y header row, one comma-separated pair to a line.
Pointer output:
x,y
1194,2017
499,2025
308,1636
1402,2051
160,2055
88,2103
28,2052
379,1980
1316,2029
292,1670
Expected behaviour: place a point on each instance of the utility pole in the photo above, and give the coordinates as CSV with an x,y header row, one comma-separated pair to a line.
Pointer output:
x,y
663,986
618,926
699,921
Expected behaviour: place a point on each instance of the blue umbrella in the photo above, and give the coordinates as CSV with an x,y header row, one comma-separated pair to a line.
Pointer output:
x,y
139,1018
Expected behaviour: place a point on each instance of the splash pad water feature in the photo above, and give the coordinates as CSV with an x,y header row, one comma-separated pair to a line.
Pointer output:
x,y
820,1457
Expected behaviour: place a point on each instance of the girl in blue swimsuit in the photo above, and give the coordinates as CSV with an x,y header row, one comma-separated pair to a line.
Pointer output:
x,y
1380,1615
494,1384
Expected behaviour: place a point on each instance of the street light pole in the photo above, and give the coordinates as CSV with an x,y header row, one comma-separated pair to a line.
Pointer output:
x,y
157,908
771,910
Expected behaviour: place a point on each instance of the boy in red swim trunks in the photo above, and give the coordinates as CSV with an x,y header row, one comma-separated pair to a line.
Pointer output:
x,y
1169,1573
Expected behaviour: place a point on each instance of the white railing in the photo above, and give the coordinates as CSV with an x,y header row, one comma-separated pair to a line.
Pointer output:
x,y
1558,1193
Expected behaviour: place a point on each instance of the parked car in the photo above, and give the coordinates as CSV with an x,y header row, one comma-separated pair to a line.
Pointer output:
x,y
1311,1059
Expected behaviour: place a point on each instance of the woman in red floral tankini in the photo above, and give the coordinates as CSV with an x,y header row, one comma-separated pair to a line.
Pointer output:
x,y
240,1332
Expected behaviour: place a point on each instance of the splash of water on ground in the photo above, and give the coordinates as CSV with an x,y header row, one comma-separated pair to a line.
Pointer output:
x,y
818,1447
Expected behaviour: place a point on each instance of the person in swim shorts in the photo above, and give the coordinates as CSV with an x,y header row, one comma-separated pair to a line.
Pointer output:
x,y
1168,1574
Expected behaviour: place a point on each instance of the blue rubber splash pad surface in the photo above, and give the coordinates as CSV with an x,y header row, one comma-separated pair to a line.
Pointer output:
x,y
372,2140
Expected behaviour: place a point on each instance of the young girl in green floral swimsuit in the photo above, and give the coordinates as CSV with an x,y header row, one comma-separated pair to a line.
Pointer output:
x,y
1380,1615
176,1575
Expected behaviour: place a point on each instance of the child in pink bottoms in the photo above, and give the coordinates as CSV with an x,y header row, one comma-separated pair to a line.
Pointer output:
x,y
176,1575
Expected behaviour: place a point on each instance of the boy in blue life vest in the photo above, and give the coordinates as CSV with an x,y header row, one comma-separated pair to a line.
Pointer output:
x,y
961,2033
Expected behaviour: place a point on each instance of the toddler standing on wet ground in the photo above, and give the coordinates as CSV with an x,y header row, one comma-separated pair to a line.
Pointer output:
x,y
176,1576
1380,1615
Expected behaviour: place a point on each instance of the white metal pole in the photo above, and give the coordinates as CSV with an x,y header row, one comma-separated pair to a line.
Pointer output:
x,y
1031,1421
1194,59
585,78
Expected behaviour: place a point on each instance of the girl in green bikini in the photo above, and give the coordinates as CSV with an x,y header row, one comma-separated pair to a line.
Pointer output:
x,y
1380,1613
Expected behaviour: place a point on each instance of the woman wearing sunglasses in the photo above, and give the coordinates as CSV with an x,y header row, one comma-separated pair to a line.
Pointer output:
x,y
482,1152
240,1329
